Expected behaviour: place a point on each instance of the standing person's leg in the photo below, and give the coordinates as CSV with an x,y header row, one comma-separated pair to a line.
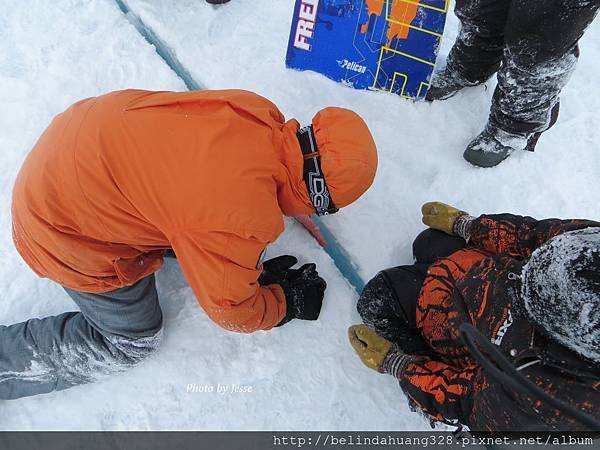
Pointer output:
x,y
540,56
477,52
113,331
541,53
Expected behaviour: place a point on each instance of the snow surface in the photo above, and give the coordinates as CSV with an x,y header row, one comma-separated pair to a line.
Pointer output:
x,y
303,375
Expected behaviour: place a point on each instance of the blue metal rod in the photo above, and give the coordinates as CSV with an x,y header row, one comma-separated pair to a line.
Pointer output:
x,y
340,257
163,50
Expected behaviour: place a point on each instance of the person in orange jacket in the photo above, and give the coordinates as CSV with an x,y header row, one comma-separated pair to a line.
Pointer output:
x,y
118,180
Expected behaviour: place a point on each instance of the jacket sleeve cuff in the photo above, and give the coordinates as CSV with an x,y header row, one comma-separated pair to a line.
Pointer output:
x,y
287,307
462,226
395,362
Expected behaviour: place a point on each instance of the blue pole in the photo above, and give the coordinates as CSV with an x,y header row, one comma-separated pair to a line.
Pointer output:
x,y
340,257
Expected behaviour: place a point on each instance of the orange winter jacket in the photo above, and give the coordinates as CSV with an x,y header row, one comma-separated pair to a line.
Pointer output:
x,y
117,179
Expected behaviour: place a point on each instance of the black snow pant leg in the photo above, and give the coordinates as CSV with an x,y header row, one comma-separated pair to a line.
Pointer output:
x,y
540,55
388,305
431,245
477,52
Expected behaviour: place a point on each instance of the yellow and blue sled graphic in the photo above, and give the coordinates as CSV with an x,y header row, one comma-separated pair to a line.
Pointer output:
x,y
384,45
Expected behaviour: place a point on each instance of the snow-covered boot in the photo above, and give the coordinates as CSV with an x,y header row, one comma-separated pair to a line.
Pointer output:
x,y
446,83
494,145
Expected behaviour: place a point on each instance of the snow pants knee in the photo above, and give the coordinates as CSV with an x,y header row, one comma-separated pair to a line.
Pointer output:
x,y
532,45
388,303
113,332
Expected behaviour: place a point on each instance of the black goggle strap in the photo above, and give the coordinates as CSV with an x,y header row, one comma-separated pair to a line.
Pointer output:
x,y
313,175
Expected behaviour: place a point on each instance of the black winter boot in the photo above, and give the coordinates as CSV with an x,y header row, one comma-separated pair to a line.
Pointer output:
x,y
446,83
494,145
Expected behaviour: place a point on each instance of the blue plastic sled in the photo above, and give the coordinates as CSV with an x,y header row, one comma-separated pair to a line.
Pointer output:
x,y
384,45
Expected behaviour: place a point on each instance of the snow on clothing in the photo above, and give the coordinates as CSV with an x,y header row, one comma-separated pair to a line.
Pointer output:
x,y
116,180
532,45
561,285
113,332
480,284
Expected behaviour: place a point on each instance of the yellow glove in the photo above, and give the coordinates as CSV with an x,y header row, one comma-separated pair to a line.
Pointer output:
x,y
369,346
440,216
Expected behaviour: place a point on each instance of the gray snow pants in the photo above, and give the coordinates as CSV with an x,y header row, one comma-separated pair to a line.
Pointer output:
x,y
533,46
114,331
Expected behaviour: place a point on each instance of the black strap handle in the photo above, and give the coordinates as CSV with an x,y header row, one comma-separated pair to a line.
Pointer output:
x,y
502,371
318,191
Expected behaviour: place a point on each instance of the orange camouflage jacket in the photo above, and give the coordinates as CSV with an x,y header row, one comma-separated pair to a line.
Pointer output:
x,y
478,285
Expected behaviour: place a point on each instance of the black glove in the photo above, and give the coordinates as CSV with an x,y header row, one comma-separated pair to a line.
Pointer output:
x,y
304,289
275,270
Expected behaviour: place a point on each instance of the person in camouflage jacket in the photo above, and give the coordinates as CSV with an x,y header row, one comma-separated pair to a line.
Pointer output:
x,y
531,287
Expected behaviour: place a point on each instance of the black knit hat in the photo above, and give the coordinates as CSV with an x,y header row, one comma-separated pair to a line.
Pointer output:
x,y
561,290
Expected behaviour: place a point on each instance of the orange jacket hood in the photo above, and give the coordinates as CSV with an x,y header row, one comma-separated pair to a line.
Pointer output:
x,y
348,159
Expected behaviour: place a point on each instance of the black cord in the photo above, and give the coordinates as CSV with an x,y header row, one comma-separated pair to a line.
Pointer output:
x,y
501,370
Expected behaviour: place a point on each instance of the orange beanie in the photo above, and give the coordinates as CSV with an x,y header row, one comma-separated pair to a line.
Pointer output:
x,y
348,153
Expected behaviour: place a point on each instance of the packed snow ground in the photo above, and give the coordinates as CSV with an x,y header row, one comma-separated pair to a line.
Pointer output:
x,y
303,375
